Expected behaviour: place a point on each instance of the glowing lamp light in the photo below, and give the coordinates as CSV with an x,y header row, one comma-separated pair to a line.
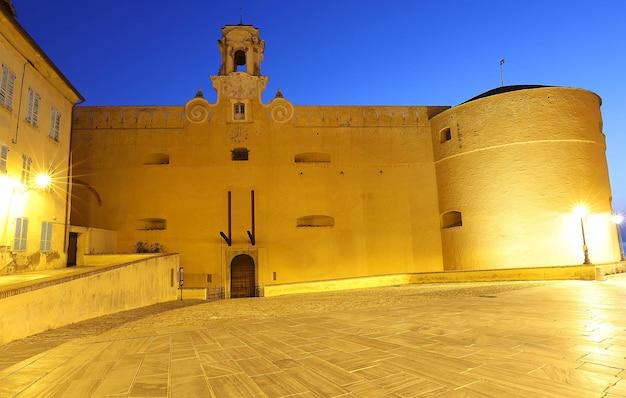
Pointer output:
x,y
580,210
43,181
617,218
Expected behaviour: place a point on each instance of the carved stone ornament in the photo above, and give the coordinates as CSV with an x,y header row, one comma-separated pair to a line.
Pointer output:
x,y
281,110
197,110
239,85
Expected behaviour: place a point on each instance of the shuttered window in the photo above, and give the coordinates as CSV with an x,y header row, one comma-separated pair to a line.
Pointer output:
x,y
32,108
55,124
45,243
26,162
21,232
4,155
7,85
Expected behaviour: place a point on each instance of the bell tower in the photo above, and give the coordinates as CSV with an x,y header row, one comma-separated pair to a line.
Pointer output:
x,y
241,46
239,83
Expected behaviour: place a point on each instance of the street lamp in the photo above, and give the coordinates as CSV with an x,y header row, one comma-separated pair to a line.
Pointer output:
x,y
43,181
581,212
617,219
180,281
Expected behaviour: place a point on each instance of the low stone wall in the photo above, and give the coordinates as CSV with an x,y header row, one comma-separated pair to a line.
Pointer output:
x,y
119,283
574,272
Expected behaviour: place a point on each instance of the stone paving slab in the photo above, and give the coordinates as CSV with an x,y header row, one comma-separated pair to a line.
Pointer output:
x,y
505,339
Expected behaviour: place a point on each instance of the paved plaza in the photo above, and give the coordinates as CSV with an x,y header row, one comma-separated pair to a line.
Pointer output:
x,y
504,339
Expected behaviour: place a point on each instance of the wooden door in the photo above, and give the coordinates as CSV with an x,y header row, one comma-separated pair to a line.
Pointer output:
x,y
242,277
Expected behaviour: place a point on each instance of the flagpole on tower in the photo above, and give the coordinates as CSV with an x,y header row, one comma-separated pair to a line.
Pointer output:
x,y
501,77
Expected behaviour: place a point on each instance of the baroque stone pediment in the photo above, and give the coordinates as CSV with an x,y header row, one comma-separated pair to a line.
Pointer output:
x,y
239,85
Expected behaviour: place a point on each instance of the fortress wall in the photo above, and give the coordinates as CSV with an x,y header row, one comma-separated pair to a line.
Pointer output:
x,y
360,116
103,117
369,167
515,166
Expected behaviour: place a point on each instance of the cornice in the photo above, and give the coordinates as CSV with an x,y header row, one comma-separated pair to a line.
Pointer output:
x,y
26,46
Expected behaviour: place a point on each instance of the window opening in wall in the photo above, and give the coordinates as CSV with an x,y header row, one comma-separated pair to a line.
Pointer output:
x,y
55,124
21,232
240,111
239,154
32,108
445,135
156,158
451,219
7,85
315,221
149,224
240,60
26,162
45,244
4,155
312,157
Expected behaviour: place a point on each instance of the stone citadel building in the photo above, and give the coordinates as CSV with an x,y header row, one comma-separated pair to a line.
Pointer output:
x,y
254,194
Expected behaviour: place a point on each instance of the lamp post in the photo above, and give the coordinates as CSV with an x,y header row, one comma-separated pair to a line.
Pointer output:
x,y
581,211
180,282
617,219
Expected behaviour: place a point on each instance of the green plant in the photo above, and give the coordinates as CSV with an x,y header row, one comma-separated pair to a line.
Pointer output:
x,y
145,247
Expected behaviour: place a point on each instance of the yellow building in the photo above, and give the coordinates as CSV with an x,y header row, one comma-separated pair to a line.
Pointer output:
x,y
254,194
36,103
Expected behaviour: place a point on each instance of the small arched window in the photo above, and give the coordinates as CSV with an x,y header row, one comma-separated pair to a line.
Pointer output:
x,y
156,158
445,135
148,224
315,221
312,157
451,219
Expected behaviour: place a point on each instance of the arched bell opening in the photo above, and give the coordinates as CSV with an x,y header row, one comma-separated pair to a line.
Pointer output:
x,y
240,60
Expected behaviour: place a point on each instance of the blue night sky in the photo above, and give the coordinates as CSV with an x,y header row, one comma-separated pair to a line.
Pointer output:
x,y
344,52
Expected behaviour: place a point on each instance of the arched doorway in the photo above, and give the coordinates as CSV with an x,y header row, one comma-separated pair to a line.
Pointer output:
x,y
242,277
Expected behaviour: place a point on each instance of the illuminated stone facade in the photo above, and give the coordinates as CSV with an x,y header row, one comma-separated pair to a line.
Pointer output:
x,y
35,123
256,194
515,166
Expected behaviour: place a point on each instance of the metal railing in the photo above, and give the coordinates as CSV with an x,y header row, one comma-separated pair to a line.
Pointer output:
x,y
218,292
214,292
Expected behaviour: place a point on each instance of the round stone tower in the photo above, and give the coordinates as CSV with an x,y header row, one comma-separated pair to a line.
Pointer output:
x,y
512,165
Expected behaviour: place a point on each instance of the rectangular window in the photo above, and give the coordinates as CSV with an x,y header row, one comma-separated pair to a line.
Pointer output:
x,y
240,111
26,162
7,84
55,124
46,236
4,155
21,232
32,109
239,154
